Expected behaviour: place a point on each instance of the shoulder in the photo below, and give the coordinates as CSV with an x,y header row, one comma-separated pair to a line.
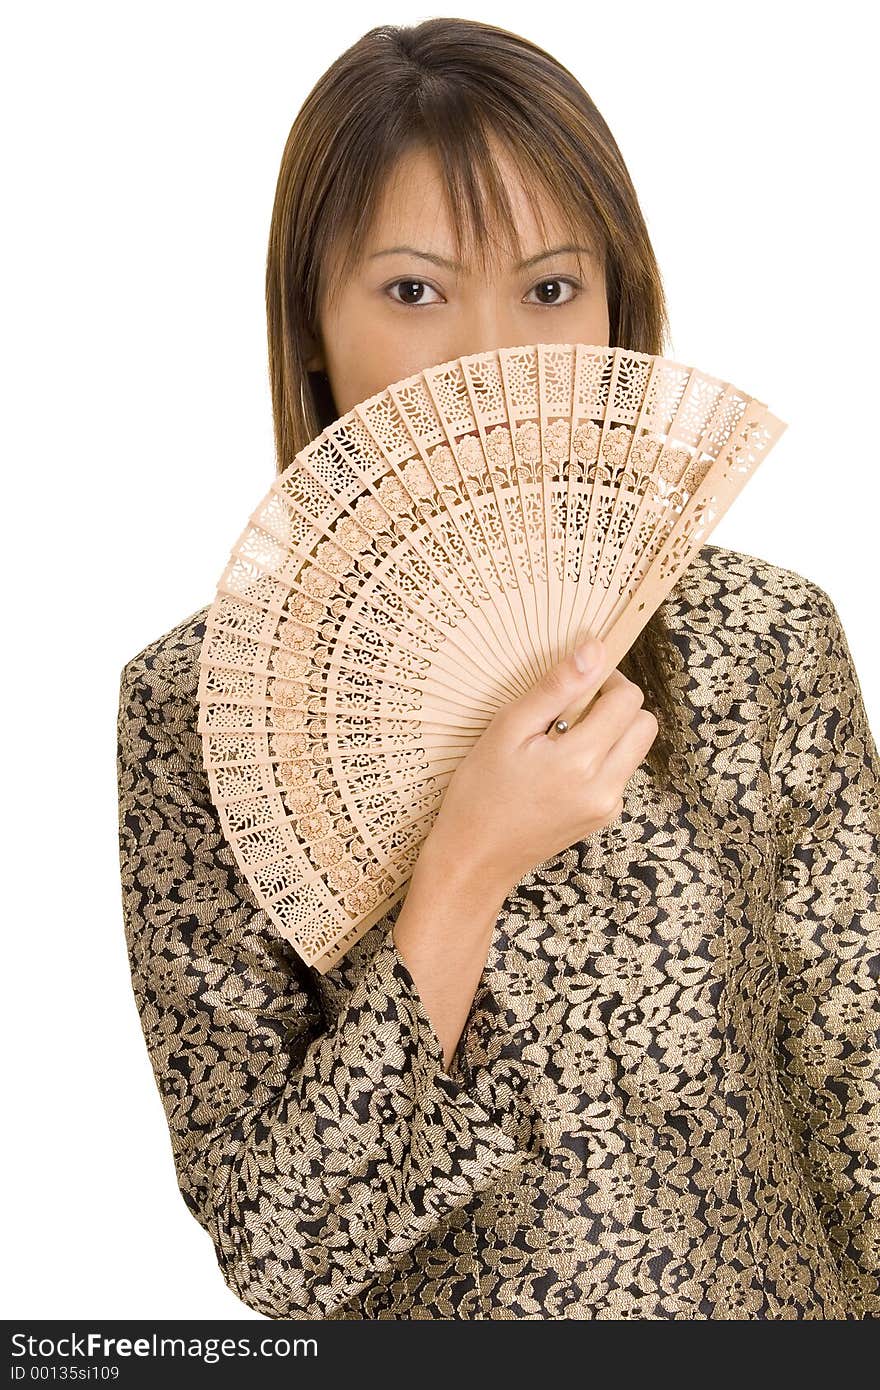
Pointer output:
x,y
729,594
158,696
170,663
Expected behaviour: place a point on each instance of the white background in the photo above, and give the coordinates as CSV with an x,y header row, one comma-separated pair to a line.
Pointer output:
x,y
141,151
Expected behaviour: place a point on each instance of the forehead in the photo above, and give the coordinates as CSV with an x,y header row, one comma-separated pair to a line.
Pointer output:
x,y
413,209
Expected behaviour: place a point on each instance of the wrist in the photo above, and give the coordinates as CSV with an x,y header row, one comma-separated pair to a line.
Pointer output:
x,y
462,873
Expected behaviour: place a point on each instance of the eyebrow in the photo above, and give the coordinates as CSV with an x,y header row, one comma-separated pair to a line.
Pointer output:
x,y
451,265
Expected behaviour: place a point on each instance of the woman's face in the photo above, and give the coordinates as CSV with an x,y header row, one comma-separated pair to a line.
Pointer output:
x,y
399,311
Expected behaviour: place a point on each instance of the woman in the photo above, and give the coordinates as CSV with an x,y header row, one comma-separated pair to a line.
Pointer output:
x,y
612,1056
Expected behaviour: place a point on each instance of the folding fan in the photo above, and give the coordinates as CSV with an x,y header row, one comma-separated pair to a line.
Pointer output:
x,y
419,565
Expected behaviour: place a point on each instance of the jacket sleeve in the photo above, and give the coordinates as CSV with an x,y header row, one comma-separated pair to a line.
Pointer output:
x,y
314,1155
827,778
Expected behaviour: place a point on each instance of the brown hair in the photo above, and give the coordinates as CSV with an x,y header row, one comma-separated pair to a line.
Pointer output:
x,y
447,85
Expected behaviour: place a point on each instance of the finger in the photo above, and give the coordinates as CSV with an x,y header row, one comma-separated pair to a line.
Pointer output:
x,y
624,756
615,677
612,711
562,683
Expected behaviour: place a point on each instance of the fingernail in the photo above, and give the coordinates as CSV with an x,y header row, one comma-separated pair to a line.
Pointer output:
x,y
587,655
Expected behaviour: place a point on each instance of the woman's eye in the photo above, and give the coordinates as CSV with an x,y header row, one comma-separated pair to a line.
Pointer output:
x,y
553,299
409,298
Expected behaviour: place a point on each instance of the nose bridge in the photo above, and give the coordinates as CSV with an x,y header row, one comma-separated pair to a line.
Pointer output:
x,y
490,321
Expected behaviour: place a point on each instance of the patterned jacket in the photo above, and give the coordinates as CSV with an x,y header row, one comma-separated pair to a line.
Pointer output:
x,y
666,1099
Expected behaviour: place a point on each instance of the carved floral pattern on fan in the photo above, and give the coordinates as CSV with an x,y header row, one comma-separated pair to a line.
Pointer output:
x,y
421,563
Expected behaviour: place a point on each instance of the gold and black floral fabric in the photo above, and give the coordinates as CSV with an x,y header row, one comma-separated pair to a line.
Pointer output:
x,y
666,1099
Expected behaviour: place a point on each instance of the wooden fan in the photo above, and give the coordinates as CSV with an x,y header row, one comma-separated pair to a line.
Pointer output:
x,y
420,564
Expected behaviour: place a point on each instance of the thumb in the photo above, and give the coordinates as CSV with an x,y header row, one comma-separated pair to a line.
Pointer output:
x,y
533,712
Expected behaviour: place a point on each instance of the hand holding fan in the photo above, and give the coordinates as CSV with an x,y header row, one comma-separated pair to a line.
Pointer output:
x,y
422,562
